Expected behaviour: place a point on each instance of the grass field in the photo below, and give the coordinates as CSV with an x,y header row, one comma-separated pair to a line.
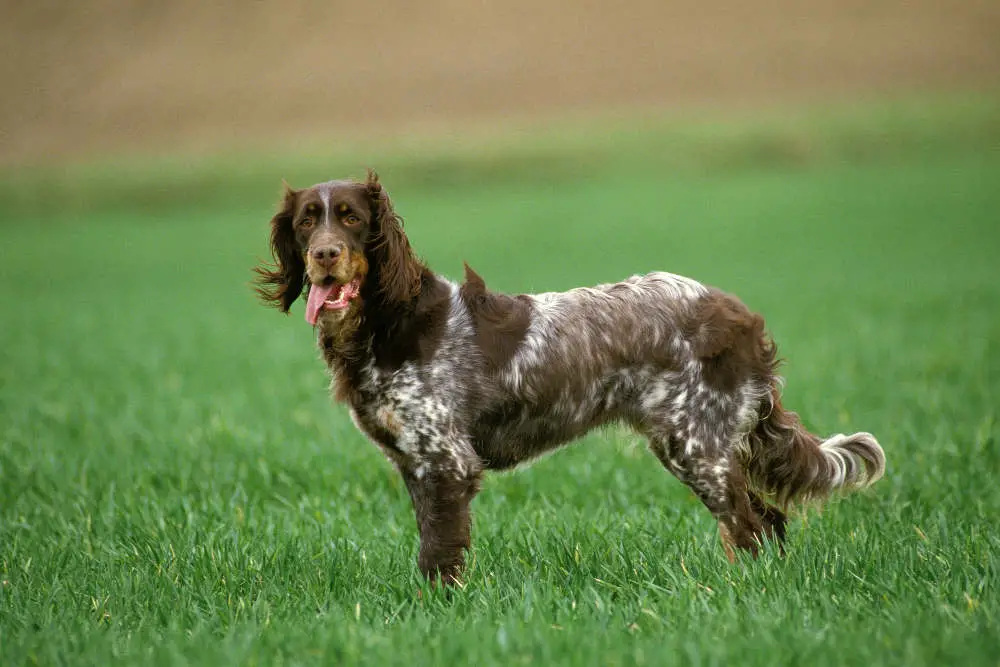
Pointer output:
x,y
176,487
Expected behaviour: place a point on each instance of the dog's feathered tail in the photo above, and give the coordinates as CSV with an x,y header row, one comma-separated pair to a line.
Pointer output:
x,y
789,464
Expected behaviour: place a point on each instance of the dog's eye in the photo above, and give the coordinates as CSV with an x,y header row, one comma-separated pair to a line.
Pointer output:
x,y
352,220
306,222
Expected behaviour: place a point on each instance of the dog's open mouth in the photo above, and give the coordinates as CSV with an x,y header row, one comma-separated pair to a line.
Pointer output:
x,y
331,296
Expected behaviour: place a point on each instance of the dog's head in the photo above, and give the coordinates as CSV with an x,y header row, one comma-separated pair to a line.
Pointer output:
x,y
342,240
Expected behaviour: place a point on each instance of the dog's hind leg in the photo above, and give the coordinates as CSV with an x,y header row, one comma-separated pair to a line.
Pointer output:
x,y
773,518
715,475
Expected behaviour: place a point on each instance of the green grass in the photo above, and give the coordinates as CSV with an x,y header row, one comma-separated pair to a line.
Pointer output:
x,y
176,487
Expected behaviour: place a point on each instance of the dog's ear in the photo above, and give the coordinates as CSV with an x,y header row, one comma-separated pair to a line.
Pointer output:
x,y
397,268
281,284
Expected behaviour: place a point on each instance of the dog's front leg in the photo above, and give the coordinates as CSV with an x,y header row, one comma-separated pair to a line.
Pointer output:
x,y
442,487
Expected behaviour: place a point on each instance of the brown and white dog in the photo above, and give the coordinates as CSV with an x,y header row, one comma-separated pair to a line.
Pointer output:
x,y
452,380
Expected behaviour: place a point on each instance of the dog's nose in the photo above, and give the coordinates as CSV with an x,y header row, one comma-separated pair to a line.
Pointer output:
x,y
327,255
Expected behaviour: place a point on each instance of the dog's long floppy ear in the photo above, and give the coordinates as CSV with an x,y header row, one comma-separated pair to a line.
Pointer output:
x,y
398,270
281,284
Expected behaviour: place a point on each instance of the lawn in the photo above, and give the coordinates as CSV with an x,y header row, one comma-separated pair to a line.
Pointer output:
x,y
177,488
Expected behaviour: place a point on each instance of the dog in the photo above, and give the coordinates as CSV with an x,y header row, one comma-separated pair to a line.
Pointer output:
x,y
451,380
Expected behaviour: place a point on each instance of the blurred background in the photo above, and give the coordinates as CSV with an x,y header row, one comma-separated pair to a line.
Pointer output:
x,y
834,163
112,77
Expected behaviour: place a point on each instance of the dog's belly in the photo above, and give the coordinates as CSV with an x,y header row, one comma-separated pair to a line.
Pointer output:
x,y
511,434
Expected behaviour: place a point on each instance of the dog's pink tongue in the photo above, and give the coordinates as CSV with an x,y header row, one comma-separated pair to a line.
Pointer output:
x,y
318,294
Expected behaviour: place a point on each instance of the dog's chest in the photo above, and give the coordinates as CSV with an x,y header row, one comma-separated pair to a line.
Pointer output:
x,y
385,404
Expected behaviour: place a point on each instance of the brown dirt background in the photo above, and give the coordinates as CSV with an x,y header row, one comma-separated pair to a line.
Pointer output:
x,y
86,79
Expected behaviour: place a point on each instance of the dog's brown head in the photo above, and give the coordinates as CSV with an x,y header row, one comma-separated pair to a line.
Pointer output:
x,y
344,238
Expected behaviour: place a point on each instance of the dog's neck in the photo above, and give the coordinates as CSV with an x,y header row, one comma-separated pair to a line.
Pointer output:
x,y
375,334
338,332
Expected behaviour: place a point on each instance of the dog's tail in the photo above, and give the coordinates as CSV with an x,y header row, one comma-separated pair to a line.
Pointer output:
x,y
789,464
